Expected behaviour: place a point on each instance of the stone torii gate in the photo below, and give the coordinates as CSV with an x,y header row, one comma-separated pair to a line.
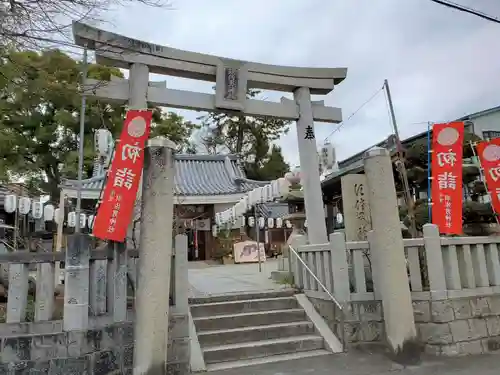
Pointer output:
x,y
232,79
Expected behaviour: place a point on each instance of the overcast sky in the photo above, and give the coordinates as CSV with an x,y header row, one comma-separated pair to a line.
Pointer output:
x,y
441,64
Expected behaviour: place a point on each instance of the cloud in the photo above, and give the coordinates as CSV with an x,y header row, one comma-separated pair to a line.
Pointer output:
x,y
440,63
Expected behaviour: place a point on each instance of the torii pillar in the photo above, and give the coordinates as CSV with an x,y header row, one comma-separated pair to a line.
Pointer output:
x,y
309,172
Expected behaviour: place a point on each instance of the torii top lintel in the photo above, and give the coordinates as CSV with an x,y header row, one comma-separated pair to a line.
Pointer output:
x,y
120,51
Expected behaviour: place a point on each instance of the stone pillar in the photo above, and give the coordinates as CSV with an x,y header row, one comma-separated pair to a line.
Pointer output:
x,y
76,283
356,207
388,259
152,302
313,196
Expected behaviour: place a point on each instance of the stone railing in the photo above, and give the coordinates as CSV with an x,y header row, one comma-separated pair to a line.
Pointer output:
x,y
34,334
454,284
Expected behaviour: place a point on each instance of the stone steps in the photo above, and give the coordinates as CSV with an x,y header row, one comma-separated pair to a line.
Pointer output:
x,y
252,328
244,306
262,348
263,360
272,331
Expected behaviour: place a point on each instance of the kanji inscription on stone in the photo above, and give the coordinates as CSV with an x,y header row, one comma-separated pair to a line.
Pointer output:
x,y
309,133
231,81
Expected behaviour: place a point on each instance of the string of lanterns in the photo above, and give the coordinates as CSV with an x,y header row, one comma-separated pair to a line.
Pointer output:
x,y
268,193
25,205
262,223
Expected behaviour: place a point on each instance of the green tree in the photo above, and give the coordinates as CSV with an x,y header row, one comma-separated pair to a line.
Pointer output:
x,y
173,126
273,167
40,115
249,137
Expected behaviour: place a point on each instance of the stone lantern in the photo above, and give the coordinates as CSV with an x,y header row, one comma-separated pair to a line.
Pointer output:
x,y
297,217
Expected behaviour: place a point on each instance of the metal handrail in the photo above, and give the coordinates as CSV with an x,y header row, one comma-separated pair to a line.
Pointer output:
x,y
325,289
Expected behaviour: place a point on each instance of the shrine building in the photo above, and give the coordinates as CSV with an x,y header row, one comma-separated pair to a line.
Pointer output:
x,y
204,185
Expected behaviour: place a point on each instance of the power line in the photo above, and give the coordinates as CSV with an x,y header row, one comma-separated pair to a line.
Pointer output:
x,y
465,9
341,124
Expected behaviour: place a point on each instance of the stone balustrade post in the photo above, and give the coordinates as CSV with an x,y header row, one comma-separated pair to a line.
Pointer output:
x,y
435,264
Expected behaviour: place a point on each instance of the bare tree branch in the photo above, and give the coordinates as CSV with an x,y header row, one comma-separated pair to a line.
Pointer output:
x,y
30,24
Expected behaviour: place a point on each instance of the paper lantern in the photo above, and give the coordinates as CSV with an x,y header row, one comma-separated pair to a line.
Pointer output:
x,y
288,224
57,216
243,220
83,220
103,141
264,194
37,210
214,230
10,203
269,193
90,221
262,222
339,218
260,194
251,221
245,200
48,212
327,156
305,224
270,222
279,222
275,189
24,205
252,196
72,219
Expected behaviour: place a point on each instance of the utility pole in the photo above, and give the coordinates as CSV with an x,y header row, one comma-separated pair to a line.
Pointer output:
x,y
81,143
401,165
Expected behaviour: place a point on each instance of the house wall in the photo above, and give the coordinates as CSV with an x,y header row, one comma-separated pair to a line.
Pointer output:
x,y
486,123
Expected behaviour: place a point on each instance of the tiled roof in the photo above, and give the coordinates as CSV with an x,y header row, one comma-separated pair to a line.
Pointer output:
x,y
196,175
474,115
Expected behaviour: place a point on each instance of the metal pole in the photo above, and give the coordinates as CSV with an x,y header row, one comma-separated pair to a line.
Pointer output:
x,y
81,143
257,234
429,188
404,175
16,224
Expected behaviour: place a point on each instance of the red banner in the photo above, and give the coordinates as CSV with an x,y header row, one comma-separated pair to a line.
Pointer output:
x,y
489,156
115,211
446,168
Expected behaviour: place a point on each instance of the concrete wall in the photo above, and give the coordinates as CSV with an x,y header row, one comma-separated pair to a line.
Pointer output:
x,y
363,321
458,326
43,348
